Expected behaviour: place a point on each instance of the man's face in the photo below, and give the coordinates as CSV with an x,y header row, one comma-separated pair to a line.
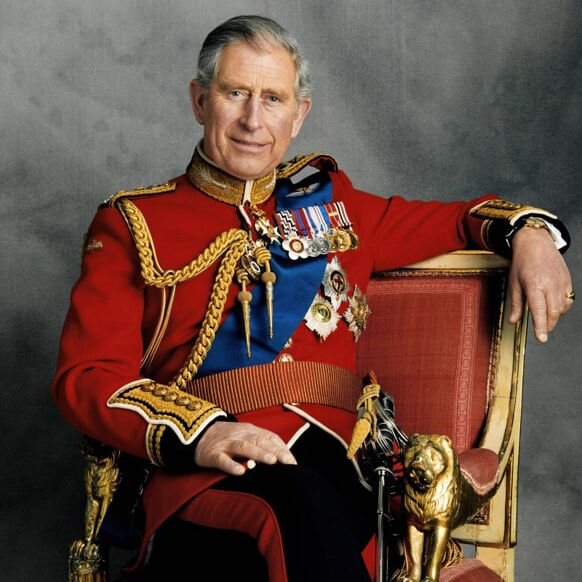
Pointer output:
x,y
250,112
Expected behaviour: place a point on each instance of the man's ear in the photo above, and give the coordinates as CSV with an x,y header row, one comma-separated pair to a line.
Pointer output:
x,y
197,97
300,115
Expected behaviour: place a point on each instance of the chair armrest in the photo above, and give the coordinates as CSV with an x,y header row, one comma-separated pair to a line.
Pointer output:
x,y
480,467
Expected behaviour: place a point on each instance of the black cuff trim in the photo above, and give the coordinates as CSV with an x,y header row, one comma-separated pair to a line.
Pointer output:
x,y
499,233
179,457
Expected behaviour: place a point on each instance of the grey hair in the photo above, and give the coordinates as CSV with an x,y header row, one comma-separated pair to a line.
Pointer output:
x,y
253,30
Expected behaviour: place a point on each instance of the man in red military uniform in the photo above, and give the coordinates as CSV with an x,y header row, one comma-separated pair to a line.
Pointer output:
x,y
214,322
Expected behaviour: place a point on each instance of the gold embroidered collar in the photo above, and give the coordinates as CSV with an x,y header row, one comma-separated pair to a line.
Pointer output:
x,y
217,184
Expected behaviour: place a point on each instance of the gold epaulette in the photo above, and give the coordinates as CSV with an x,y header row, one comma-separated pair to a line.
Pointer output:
x,y
505,210
296,164
158,189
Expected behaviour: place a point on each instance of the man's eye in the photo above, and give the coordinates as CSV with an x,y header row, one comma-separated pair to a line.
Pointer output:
x,y
273,99
237,94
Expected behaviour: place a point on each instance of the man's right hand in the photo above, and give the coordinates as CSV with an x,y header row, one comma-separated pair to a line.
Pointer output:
x,y
224,442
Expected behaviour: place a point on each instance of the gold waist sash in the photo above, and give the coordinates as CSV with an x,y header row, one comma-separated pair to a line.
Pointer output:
x,y
255,387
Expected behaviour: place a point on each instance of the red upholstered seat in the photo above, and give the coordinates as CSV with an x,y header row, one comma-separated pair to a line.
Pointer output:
x,y
470,570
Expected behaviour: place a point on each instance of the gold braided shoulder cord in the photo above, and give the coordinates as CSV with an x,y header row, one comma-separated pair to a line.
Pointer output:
x,y
231,243
213,315
151,271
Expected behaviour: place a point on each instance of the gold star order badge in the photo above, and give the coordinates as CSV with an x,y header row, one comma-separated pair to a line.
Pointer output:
x,y
357,313
321,317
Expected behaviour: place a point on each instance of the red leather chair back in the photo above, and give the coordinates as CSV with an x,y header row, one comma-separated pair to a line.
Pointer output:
x,y
432,341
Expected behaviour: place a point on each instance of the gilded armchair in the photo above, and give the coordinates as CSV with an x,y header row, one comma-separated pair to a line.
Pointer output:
x,y
440,343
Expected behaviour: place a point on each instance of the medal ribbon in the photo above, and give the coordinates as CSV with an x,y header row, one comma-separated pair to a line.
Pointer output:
x,y
343,215
332,215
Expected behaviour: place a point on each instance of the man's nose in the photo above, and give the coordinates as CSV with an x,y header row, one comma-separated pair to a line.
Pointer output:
x,y
252,117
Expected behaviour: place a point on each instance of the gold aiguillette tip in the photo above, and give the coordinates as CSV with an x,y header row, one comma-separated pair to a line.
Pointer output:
x,y
245,297
269,278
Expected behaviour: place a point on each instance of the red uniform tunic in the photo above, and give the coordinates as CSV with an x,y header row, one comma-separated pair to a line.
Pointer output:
x,y
113,313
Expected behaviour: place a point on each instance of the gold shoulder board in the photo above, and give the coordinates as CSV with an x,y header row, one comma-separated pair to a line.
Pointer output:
x,y
296,164
159,189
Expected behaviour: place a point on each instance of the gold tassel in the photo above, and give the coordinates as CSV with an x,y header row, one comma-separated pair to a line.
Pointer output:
x,y
361,431
269,278
245,297
367,422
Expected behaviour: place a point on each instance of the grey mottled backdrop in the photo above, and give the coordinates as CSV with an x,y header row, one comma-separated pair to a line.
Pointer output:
x,y
440,98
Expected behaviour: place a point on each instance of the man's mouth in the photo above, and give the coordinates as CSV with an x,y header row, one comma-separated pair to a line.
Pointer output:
x,y
249,145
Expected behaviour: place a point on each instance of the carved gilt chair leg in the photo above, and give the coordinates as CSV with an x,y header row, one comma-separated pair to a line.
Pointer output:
x,y
87,560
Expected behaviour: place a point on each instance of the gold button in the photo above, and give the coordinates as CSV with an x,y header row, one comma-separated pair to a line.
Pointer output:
x,y
285,358
171,396
288,344
183,401
160,390
196,405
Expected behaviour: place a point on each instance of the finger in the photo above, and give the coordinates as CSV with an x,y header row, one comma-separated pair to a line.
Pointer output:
x,y
247,449
516,295
273,443
567,305
537,307
553,312
282,451
568,301
225,463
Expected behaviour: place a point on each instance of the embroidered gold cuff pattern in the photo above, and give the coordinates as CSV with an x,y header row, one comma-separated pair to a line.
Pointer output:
x,y
485,236
186,415
505,210
154,435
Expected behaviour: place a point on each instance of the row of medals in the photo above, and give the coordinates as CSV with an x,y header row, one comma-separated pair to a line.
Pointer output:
x,y
335,240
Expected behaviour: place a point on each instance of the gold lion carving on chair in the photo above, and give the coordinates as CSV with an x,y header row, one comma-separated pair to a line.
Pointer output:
x,y
437,498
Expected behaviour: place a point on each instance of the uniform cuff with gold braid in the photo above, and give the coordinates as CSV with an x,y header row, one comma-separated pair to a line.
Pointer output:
x,y
167,410
167,450
502,219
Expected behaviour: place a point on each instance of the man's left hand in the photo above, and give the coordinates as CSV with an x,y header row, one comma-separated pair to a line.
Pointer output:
x,y
538,272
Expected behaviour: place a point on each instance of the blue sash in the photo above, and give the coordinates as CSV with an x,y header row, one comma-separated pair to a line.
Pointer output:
x,y
296,286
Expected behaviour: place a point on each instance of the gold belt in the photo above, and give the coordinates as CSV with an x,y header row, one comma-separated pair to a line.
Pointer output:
x,y
255,387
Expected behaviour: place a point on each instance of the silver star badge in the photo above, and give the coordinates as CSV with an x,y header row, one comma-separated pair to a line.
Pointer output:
x,y
335,283
321,317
